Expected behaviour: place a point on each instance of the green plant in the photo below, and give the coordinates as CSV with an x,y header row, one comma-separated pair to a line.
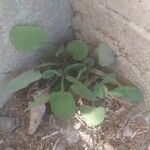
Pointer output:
x,y
76,80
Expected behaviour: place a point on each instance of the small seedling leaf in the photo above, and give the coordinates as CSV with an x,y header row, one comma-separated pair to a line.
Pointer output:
x,y
22,81
92,116
29,37
132,94
100,90
89,62
106,56
62,105
78,49
81,90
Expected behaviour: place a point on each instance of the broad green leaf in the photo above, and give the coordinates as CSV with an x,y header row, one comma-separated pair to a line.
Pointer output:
x,y
132,94
89,62
62,105
81,90
50,73
100,90
106,56
22,81
60,51
92,116
39,100
78,49
29,37
75,66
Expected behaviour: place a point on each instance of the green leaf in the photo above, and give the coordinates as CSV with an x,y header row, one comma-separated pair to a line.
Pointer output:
x,y
62,105
43,65
50,73
22,81
39,100
89,62
78,49
132,94
106,57
81,72
81,90
29,37
92,116
75,66
100,90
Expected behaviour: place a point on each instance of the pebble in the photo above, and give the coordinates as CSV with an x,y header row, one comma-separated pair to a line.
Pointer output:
x,y
77,125
7,124
147,119
148,147
128,133
1,141
72,136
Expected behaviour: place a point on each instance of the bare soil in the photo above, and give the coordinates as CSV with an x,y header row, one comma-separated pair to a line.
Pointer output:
x,y
125,128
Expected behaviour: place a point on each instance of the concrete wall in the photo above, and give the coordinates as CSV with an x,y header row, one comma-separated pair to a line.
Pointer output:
x,y
54,15
125,26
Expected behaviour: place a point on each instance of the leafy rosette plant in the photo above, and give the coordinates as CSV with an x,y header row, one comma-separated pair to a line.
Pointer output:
x,y
77,80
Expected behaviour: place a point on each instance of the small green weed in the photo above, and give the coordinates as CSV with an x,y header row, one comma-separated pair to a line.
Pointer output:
x,y
75,82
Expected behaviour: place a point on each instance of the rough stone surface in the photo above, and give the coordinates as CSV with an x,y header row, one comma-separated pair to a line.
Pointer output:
x,y
54,15
125,27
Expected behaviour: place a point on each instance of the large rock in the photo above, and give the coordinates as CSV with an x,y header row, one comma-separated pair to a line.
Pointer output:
x,y
54,15
125,27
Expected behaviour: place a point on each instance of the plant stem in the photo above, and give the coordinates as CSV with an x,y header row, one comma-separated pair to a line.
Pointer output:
x,y
62,83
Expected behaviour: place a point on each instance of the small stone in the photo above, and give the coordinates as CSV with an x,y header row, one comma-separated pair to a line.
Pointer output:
x,y
1,141
107,146
147,119
148,147
72,136
128,133
77,125
7,124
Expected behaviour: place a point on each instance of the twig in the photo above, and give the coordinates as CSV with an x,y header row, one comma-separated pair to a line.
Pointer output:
x,y
50,135
54,147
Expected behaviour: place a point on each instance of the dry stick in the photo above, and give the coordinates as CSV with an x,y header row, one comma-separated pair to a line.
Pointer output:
x,y
50,135
54,147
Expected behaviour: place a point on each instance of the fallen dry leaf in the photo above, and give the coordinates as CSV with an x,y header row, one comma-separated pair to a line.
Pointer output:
x,y
35,118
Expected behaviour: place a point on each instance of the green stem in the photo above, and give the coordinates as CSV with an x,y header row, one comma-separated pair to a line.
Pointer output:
x,y
62,83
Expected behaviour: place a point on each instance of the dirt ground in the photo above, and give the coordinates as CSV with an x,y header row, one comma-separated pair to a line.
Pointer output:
x,y
125,128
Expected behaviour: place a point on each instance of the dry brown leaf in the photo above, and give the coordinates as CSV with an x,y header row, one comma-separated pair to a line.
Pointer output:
x,y
35,118
97,72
